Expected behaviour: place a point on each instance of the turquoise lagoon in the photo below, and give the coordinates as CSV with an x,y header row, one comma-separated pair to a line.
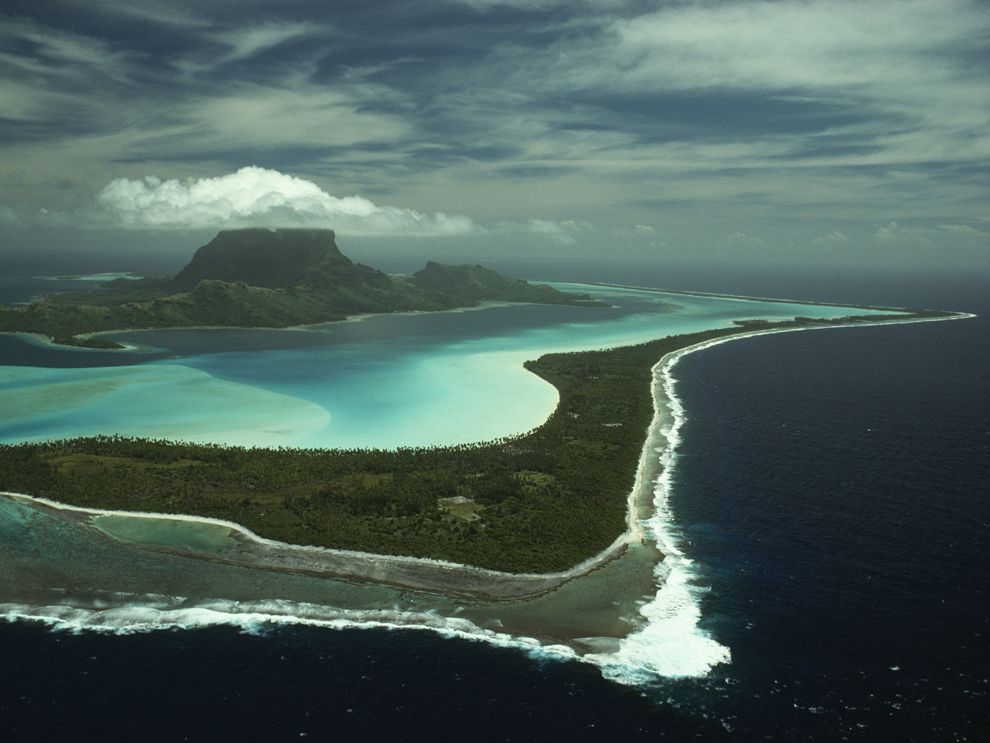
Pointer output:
x,y
386,381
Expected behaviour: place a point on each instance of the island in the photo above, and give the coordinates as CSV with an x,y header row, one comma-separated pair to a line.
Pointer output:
x,y
557,540
500,519
507,518
265,278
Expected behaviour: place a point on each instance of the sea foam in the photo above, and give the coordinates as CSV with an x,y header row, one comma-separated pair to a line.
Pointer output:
x,y
134,614
670,643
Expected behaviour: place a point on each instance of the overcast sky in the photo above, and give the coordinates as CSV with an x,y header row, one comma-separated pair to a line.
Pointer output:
x,y
748,130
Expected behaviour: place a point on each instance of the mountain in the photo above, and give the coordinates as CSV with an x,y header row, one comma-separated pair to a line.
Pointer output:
x,y
267,278
260,257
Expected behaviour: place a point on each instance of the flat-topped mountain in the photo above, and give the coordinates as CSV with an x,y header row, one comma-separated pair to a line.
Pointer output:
x,y
261,257
267,278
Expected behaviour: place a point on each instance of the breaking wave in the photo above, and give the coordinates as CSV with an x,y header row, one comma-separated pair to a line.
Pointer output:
x,y
670,644
126,614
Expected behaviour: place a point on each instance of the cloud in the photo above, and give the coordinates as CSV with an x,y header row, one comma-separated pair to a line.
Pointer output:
x,y
947,239
965,237
883,82
152,11
562,232
637,232
9,216
532,5
834,238
964,230
264,117
262,197
809,114
245,43
637,237
742,240
888,232
893,233
789,45
61,54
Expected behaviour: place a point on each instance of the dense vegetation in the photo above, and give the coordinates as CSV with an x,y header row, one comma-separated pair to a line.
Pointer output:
x,y
266,278
538,502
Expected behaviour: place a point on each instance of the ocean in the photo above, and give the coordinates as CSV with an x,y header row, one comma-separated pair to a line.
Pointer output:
x,y
830,489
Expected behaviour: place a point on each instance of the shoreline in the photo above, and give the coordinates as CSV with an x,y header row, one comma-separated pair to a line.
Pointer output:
x,y
456,579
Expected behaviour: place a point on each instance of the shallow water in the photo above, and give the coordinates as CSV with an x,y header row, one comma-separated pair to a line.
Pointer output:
x,y
81,575
385,381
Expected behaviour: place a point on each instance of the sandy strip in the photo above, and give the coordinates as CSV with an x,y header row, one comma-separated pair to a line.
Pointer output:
x,y
439,576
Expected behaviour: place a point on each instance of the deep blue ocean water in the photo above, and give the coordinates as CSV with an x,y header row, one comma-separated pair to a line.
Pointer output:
x,y
835,489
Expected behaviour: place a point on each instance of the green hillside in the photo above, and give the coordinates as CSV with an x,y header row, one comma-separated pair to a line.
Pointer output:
x,y
267,278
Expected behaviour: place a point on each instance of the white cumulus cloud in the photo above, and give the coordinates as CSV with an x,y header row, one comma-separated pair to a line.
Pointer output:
x,y
255,196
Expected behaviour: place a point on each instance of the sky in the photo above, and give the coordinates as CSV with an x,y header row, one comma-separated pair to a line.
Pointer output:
x,y
807,131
